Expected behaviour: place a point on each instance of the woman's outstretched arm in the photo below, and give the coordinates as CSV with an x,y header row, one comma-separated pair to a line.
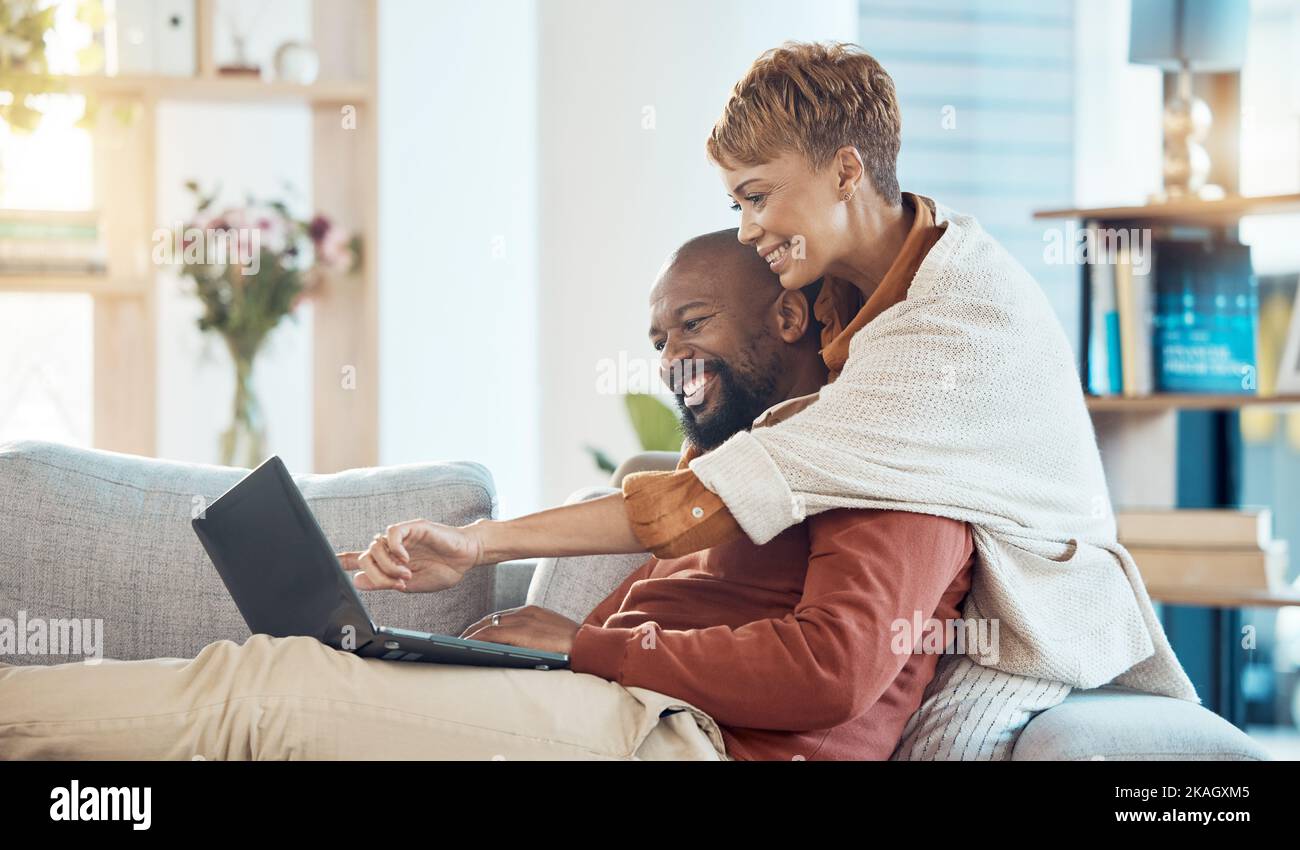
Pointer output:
x,y
422,556
669,514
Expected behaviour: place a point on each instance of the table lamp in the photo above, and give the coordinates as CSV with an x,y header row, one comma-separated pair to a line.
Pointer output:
x,y
1187,36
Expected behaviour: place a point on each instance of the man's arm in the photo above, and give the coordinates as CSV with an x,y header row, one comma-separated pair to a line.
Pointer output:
x,y
821,665
611,603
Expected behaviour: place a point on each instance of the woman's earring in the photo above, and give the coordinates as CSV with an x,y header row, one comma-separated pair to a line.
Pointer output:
x,y
847,196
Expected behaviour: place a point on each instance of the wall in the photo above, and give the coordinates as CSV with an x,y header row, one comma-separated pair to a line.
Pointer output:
x,y
616,195
986,89
525,212
458,220
1117,111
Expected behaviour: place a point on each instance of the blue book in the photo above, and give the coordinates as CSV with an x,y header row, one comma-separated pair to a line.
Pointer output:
x,y
1206,321
1104,368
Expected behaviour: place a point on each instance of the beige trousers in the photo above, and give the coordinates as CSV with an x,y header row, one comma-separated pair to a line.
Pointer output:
x,y
295,698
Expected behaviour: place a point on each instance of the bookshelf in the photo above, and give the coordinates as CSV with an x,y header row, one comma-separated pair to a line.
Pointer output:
x,y
1223,212
1138,436
344,186
218,88
1179,401
91,284
1227,598
1139,441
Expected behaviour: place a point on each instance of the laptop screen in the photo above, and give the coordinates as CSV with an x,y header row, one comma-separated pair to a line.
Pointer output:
x,y
278,564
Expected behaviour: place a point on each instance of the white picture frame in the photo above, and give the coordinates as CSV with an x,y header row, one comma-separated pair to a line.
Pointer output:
x,y
1288,371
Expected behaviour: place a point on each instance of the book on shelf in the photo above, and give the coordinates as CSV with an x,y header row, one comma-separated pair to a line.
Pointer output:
x,y
1181,316
1102,355
35,243
1207,319
1133,285
1214,549
1205,529
1222,569
1288,371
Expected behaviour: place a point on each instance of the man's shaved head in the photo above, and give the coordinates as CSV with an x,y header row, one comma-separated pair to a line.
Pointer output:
x,y
728,261
717,303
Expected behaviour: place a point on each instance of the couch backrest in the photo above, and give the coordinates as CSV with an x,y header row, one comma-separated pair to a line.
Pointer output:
x,y
574,586
101,536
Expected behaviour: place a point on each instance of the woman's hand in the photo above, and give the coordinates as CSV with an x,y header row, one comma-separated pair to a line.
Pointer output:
x,y
416,556
531,627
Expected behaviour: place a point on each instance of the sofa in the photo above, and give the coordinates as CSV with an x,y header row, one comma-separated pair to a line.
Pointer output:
x,y
101,536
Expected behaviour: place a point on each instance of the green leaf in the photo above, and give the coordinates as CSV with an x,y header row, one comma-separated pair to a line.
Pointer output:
x,y
655,423
127,112
603,461
90,59
91,13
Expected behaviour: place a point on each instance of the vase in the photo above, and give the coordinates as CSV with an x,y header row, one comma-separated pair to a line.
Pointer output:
x,y
297,62
244,442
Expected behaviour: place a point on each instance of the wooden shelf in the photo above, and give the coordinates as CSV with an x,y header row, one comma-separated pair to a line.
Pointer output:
x,y
217,88
1192,211
1171,401
91,284
1224,598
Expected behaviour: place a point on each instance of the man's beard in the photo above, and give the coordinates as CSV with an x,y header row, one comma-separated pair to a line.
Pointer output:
x,y
739,399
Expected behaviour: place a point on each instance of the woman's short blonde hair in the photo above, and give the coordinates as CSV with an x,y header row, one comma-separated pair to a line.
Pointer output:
x,y
815,99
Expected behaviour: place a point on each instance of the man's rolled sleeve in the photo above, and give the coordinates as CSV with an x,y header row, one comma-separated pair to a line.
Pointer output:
x,y
745,478
674,514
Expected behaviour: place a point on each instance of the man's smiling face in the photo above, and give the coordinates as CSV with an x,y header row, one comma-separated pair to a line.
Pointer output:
x,y
715,320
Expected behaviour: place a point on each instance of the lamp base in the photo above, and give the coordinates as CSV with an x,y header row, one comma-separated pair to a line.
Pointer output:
x,y
1186,122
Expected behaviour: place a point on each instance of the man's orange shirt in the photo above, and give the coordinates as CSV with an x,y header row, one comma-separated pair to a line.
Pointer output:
x,y
793,646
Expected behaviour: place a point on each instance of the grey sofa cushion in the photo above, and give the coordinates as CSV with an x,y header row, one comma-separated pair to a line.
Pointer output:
x,y
97,535
1117,724
575,586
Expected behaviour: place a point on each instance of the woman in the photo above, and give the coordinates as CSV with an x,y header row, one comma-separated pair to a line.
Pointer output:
x,y
953,393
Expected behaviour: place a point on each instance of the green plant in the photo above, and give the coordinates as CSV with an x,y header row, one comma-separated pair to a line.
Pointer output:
x,y
656,426
24,63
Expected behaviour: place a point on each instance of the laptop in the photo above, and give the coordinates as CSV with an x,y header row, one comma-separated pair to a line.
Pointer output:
x,y
285,579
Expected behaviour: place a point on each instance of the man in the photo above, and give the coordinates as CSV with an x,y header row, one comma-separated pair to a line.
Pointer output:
x,y
791,648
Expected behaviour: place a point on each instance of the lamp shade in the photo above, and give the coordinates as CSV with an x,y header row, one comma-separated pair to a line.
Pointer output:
x,y
1207,35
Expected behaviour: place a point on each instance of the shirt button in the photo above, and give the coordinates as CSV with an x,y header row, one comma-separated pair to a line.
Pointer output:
x,y
697,512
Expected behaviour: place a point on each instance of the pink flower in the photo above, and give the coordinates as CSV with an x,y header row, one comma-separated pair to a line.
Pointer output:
x,y
318,228
334,251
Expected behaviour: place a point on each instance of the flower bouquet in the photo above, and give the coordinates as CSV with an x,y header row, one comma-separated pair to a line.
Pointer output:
x,y
251,266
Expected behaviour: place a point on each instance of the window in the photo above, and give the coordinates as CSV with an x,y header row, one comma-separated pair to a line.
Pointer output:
x,y
986,91
45,349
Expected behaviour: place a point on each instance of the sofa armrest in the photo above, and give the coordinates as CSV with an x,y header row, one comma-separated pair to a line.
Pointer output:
x,y
510,582
575,586
644,462
1118,724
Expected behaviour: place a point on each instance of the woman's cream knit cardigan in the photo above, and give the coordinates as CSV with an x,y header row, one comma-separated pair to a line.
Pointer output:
x,y
963,401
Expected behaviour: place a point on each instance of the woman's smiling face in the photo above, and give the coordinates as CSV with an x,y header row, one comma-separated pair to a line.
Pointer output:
x,y
792,215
